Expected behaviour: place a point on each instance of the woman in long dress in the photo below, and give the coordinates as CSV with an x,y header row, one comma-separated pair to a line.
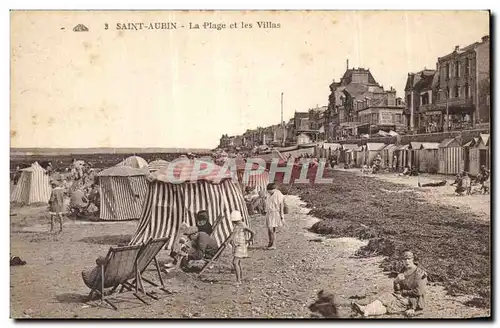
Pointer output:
x,y
275,216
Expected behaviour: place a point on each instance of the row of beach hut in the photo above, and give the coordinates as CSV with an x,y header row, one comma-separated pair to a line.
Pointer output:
x,y
123,187
447,157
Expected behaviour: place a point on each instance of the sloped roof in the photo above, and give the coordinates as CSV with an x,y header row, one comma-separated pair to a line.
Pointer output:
x,y
134,161
472,142
332,146
485,138
347,77
429,145
301,114
34,167
157,164
390,147
409,82
375,146
451,142
415,145
122,171
350,146
356,89
425,81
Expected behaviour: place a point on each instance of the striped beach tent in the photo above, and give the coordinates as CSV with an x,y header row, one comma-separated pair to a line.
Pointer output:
x,y
176,194
257,181
33,186
134,161
157,165
122,190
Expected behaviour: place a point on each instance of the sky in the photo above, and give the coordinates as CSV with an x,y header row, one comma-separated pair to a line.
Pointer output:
x,y
186,87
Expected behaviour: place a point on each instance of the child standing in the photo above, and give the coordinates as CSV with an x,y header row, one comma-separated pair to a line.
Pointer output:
x,y
56,205
239,243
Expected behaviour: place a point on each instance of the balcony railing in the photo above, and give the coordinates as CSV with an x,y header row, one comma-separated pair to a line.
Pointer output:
x,y
428,108
459,102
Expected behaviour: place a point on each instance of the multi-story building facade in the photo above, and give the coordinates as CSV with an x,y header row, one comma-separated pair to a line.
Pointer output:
x,y
463,86
383,113
358,104
300,120
420,99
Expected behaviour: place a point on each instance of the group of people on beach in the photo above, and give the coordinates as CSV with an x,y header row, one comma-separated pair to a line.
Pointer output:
x,y
197,245
76,191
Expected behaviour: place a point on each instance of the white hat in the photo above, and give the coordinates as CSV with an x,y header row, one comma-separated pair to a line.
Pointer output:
x,y
235,216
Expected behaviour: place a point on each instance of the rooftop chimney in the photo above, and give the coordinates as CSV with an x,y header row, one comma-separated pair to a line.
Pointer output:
x,y
457,47
347,64
485,38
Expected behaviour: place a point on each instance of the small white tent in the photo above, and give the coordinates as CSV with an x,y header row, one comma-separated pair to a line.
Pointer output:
x,y
33,186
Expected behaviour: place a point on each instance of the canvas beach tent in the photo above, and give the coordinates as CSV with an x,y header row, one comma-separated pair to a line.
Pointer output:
x,y
157,165
175,195
33,186
134,161
122,193
259,181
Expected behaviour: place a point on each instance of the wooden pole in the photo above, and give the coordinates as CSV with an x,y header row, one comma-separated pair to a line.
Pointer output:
x,y
282,125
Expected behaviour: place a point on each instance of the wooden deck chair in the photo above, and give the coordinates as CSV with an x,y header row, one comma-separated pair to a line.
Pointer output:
x,y
147,255
218,254
118,267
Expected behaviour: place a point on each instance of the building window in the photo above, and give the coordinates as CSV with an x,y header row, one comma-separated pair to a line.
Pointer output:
x,y
467,67
466,90
457,69
448,94
374,118
457,91
424,99
398,118
447,71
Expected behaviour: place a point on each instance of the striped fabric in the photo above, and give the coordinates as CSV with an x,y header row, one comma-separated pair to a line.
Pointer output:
x,y
33,186
157,165
184,170
122,197
451,160
258,181
168,205
134,161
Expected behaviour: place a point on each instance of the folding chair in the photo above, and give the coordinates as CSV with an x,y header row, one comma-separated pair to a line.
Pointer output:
x,y
218,254
147,255
119,266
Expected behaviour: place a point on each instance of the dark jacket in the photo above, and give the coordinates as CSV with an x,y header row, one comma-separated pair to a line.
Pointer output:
x,y
206,228
414,286
203,247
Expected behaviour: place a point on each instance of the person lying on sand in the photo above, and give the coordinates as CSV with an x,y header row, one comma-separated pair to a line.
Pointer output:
x,y
433,184
408,297
406,171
